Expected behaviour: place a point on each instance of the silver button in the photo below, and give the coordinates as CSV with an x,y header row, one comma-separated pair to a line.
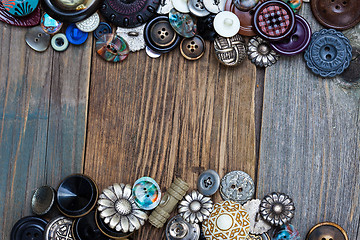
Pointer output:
x,y
89,24
214,6
133,36
195,208
177,228
197,8
37,39
59,228
237,186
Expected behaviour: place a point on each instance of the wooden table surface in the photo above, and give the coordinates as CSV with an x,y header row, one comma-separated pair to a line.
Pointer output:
x,y
72,112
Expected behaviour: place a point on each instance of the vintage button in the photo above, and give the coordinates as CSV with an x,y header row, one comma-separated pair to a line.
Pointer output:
x,y
208,182
112,48
129,13
294,4
75,36
287,232
329,53
85,228
59,42
107,231
28,228
77,195
147,193
133,36
263,236
226,24
260,53
152,53
59,228
182,23
337,14
245,5
274,20
42,200
192,48
89,24
159,36
195,208
181,5
70,5
177,228
165,7
297,41
50,25
197,8
277,208
326,231
257,224
20,8
230,51
30,20
102,29
205,27
37,39
237,186
228,220
214,6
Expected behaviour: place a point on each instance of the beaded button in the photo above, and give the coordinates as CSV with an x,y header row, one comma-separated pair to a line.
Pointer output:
x,y
112,48
182,23
20,8
50,25
147,193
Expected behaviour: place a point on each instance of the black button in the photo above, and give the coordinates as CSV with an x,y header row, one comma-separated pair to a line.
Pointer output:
x,y
106,230
28,228
85,228
205,27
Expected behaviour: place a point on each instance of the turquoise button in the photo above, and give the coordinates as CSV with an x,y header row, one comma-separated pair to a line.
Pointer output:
x,y
20,7
147,193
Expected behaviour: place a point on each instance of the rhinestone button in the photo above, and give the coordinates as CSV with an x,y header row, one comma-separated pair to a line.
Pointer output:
x,y
327,231
192,48
208,182
237,186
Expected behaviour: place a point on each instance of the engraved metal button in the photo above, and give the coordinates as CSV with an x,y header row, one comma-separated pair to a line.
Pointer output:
x,y
89,24
260,52
28,228
214,6
147,193
195,208
327,231
208,182
257,224
230,51
177,228
37,39
43,200
59,228
184,24
50,25
192,48
59,42
197,8
133,36
286,232
226,24
237,186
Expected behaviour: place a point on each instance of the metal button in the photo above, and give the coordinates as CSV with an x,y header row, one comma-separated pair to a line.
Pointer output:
x,y
147,193
69,4
208,182
59,42
50,25
214,6
245,5
42,200
181,5
177,228
230,51
286,232
20,8
89,24
165,7
237,186
226,24
59,228
112,48
260,52
133,36
107,231
102,29
327,231
197,8
257,224
28,228
75,36
192,48
85,228
195,208
184,24
37,39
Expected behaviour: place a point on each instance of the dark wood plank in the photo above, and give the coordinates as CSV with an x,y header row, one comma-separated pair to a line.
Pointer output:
x,y
310,144
169,117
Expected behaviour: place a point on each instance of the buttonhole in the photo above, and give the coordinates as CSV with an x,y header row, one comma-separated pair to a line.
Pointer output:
x,y
36,39
192,42
332,0
328,57
295,38
233,186
148,195
28,234
59,41
163,29
240,189
323,239
159,32
188,46
337,7
327,49
162,36
39,35
166,33
192,50
36,235
196,46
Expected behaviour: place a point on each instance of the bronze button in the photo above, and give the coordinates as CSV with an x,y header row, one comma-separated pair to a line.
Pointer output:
x,y
192,48
162,34
327,231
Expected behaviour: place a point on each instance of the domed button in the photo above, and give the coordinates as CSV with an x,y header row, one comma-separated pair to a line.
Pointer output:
x,y
112,48
177,228
182,23
20,8
133,36
297,41
226,24
274,20
160,36
237,186
286,232
89,24
205,26
129,13
245,5
214,6
197,8
30,20
337,14
230,51
192,48
260,53
37,39
208,182
327,231
102,29
28,228
181,6
50,25
85,228
43,200
329,53
75,35
294,4
59,42
147,193
59,228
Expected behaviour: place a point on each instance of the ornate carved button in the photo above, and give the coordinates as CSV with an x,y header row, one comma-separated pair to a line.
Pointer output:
x,y
43,200
192,48
133,36
37,39
102,29
178,228
181,6
165,7
214,6
260,52
327,231
182,23
274,20
30,20
89,24
20,8
228,220
50,25
208,182
205,26
245,5
195,208
85,228
237,186
329,53
197,8
230,51
59,42
59,228
337,14
297,41
263,236
75,36
28,228
159,36
294,4
147,193
226,24
257,224
129,13
286,232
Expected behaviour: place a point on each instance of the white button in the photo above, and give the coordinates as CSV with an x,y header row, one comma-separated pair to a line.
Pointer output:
x,y
226,24
59,42
181,5
224,222
214,6
89,24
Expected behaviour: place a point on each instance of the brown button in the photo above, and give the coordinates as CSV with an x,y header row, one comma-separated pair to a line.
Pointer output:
x,y
192,48
327,231
162,34
337,14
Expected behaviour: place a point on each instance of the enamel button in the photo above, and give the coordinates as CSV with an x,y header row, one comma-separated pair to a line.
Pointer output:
x,y
226,24
147,193
20,8
50,25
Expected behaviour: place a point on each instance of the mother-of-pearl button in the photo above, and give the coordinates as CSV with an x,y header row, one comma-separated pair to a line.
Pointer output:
x,y
224,222
226,24
181,5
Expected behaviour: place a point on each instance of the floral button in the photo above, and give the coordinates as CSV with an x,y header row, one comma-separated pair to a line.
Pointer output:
x,y
182,23
195,208
147,193
112,48
260,52
20,8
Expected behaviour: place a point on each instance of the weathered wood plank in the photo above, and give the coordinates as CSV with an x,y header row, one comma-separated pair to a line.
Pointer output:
x,y
310,144
169,117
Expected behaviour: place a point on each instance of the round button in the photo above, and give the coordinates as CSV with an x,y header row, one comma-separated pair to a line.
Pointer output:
x,y
102,29
181,5
294,4
214,6
230,51
59,42
237,186
85,228
277,209
226,24
297,41
28,228
89,24
260,53
197,8
182,23
75,35
42,200
177,228
30,20
59,228
50,25
245,5
130,13
37,39
192,48
286,232
327,231
208,182
147,193
274,20
205,26
112,48
337,14
329,53
107,231
20,8
160,36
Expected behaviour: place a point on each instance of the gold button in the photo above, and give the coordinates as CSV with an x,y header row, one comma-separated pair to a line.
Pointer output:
x,y
192,48
327,231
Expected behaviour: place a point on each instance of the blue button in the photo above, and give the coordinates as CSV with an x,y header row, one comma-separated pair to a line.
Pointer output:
x,y
208,182
147,193
102,29
74,35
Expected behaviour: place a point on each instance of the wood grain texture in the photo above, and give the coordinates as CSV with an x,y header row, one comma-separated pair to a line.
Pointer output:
x,y
310,144
169,117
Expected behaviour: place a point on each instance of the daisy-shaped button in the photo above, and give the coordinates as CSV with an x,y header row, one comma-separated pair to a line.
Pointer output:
x,y
195,207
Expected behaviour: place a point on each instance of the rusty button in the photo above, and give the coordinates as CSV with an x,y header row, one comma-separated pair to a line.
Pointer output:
x,y
192,48
327,231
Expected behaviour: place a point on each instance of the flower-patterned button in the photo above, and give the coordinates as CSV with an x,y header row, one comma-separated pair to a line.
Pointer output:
x,y
59,42
208,182
286,232
228,220
192,48
147,193
20,8
226,24
50,25
177,228
182,23
327,231
37,39
230,51
260,53
89,24
74,35
237,186
195,208
112,48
